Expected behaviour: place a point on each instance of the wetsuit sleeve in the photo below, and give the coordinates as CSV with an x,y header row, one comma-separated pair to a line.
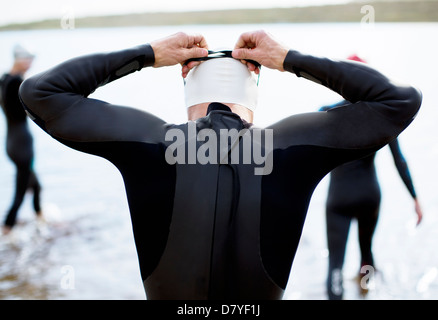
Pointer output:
x,y
57,100
378,111
402,167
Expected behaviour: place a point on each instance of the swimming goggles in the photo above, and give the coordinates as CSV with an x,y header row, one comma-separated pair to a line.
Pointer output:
x,y
220,54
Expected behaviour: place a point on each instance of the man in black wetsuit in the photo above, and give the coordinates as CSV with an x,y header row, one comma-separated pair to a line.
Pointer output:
x,y
19,142
354,193
218,229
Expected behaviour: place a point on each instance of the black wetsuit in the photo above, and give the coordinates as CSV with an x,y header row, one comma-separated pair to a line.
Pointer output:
x,y
19,146
354,192
212,231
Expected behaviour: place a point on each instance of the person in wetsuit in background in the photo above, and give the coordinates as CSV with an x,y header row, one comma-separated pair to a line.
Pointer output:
x,y
354,193
210,220
19,141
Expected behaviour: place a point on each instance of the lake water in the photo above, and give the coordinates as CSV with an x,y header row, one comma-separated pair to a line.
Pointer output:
x,y
86,251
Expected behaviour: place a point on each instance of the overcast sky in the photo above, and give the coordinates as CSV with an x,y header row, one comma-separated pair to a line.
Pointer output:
x,y
16,11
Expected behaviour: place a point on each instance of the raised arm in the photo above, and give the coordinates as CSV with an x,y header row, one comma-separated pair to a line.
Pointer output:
x,y
57,100
378,112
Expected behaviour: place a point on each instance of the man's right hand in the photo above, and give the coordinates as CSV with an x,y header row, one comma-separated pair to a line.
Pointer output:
x,y
178,48
261,47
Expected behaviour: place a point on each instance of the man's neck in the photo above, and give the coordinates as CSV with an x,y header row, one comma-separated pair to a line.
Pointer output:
x,y
200,110
15,71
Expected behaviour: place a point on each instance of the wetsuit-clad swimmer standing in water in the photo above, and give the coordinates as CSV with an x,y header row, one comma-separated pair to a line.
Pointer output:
x,y
210,220
19,141
354,193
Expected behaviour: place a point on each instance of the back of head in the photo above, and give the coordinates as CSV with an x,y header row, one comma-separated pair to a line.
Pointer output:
x,y
224,80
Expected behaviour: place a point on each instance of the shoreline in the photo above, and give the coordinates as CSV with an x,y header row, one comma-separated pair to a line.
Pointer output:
x,y
382,11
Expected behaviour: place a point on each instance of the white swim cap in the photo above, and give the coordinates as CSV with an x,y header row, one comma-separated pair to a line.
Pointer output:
x,y
22,53
224,80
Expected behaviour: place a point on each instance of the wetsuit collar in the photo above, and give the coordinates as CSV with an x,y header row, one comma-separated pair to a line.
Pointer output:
x,y
216,107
